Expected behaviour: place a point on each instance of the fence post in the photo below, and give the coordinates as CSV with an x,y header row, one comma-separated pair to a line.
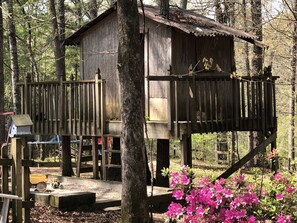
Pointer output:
x,y
27,94
16,152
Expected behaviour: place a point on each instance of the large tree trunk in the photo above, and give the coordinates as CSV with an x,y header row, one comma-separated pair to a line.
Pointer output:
x,y
291,154
13,58
2,118
134,196
58,26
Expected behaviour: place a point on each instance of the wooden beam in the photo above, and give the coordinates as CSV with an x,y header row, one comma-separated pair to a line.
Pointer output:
x,y
248,157
186,150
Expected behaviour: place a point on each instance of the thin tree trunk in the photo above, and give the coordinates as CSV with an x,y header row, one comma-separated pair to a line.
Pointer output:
x,y
257,60
58,48
248,73
134,196
183,4
291,154
35,70
93,8
2,118
13,58
218,11
58,26
164,8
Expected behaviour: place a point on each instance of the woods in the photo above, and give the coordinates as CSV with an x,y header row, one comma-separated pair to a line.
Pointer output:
x,y
33,39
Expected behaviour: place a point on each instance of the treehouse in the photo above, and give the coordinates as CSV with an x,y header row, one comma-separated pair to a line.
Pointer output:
x,y
190,86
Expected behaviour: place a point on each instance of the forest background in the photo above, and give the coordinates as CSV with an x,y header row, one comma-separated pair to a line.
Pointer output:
x,y
28,43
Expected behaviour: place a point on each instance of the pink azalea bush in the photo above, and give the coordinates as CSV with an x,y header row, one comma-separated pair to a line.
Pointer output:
x,y
231,201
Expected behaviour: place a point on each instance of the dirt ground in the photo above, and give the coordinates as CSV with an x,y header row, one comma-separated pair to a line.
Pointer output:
x,y
43,213
47,214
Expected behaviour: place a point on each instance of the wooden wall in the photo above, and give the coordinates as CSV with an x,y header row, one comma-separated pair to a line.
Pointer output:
x,y
99,47
190,50
157,58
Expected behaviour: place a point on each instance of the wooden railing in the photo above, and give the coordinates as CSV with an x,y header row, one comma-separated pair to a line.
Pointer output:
x,y
64,108
215,103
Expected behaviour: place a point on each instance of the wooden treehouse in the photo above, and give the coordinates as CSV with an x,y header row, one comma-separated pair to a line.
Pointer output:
x,y
187,61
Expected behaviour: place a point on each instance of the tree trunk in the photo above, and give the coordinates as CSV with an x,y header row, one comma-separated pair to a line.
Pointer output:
x,y
183,4
58,26
93,9
13,58
164,8
257,60
291,154
248,73
134,195
218,11
2,118
58,48
35,70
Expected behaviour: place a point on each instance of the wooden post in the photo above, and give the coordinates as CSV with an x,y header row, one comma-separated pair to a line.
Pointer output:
x,y
16,152
163,160
27,99
5,169
115,173
26,182
66,156
275,164
186,150
95,157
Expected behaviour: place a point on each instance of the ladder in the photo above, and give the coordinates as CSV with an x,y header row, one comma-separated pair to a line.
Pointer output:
x,y
88,157
111,159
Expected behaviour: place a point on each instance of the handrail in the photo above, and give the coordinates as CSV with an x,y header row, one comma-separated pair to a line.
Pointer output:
x,y
65,108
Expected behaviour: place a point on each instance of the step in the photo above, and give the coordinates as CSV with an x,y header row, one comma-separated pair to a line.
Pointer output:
x,y
86,169
86,148
113,166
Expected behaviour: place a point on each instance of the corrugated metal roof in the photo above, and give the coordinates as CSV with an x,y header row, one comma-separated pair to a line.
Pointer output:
x,y
191,22
184,20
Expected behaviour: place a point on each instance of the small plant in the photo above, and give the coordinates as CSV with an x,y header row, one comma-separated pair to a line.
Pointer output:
x,y
231,201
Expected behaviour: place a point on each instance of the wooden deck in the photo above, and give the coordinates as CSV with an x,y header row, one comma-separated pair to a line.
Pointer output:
x,y
198,104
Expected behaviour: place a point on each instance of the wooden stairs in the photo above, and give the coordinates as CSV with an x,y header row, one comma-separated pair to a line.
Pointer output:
x,y
89,160
88,157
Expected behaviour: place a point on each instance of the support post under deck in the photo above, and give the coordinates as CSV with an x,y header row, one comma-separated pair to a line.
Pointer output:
x,y
186,150
163,160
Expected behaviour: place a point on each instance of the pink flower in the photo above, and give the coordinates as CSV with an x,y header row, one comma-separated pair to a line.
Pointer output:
x,y
289,189
284,219
175,210
273,153
252,219
174,179
204,182
277,176
239,180
279,197
185,180
178,194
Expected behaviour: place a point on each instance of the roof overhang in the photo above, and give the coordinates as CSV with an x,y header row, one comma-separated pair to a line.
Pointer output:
x,y
185,20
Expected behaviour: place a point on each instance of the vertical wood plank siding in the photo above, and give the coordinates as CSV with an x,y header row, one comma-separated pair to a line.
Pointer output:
x,y
82,107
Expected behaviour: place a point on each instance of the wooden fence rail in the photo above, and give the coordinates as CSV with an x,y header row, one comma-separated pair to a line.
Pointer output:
x,y
216,103
64,108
